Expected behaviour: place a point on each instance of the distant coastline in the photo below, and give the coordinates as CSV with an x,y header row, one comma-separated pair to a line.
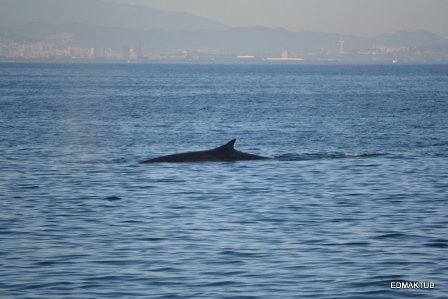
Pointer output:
x,y
87,31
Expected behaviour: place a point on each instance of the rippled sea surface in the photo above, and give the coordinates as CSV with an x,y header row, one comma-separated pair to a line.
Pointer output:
x,y
353,199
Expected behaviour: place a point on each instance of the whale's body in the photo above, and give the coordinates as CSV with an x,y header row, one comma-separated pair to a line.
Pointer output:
x,y
224,153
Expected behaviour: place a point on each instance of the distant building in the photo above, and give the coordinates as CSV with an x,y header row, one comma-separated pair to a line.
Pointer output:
x,y
285,57
137,50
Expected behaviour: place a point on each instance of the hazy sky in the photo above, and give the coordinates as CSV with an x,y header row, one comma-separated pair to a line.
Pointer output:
x,y
367,18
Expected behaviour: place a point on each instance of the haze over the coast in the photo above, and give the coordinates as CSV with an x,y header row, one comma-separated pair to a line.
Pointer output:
x,y
208,30
363,18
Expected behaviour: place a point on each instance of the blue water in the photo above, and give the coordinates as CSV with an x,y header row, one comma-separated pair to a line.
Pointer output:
x,y
354,197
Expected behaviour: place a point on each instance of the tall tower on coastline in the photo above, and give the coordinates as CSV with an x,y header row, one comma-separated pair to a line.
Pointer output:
x,y
341,45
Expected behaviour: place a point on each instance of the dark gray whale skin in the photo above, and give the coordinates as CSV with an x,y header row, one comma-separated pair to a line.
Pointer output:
x,y
224,153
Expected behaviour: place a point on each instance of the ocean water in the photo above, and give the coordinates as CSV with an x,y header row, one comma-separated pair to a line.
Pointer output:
x,y
353,199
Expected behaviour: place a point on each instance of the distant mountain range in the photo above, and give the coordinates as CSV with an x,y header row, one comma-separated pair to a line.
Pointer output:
x,y
100,13
254,40
94,23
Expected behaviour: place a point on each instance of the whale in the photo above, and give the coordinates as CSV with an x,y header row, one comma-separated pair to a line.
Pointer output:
x,y
223,153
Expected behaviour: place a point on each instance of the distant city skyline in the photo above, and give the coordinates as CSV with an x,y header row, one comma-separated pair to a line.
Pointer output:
x,y
363,18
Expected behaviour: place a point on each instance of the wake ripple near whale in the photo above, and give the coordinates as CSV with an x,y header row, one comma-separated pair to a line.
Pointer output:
x,y
329,155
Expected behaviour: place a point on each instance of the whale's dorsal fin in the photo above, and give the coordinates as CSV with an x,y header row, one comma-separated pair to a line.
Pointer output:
x,y
223,153
228,147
